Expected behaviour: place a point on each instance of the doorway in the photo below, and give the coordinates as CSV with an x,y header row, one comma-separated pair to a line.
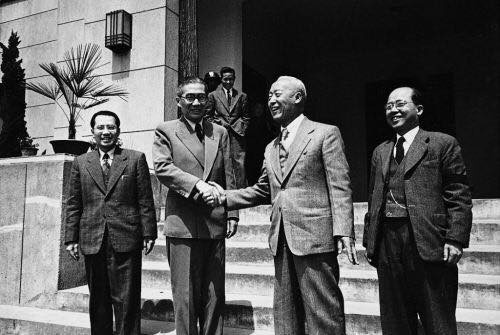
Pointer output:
x,y
350,54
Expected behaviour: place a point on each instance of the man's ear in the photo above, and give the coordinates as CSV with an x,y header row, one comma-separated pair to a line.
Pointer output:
x,y
298,97
178,101
420,110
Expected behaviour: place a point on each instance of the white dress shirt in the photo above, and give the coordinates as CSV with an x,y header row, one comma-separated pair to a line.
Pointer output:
x,y
110,153
292,128
409,137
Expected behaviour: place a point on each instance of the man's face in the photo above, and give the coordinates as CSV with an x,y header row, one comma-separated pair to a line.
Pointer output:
x,y
401,113
228,80
283,101
105,132
193,101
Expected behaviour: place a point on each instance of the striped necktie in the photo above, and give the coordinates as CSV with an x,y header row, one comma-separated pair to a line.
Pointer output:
x,y
105,168
283,152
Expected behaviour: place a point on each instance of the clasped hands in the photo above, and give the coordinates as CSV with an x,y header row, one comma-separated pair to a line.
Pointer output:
x,y
212,193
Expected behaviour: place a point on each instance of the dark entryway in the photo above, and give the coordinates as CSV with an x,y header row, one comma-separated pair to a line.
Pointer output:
x,y
350,54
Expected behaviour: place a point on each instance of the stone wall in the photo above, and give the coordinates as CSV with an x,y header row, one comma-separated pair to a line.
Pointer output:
x,y
33,257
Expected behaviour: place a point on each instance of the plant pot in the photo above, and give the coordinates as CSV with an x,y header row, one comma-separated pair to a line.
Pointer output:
x,y
29,151
72,147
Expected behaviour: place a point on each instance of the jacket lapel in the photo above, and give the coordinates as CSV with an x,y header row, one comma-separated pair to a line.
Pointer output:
x,y
211,148
117,167
298,145
190,140
95,170
416,150
386,153
221,95
234,100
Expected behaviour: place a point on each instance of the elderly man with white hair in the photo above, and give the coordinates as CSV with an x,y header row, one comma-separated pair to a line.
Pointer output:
x,y
305,177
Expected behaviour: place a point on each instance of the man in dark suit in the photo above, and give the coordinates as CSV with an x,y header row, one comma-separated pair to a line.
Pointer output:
x,y
229,108
110,216
187,153
419,219
305,177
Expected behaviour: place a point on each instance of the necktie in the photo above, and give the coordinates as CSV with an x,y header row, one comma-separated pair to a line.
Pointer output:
x,y
283,153
229,97
400,152
105,167
199,132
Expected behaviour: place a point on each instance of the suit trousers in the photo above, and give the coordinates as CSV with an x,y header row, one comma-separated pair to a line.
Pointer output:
x,y
408,286
197,271
306,287
238,153
114,280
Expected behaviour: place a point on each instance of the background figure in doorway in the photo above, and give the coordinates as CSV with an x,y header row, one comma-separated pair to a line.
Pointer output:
x,y
229,108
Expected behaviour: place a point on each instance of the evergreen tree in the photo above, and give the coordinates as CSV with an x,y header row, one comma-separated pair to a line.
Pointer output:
x,y
13,104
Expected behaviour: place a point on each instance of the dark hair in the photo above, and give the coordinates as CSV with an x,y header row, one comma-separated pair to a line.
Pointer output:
x,y
108,113
227,69
190,80
211,75
416,96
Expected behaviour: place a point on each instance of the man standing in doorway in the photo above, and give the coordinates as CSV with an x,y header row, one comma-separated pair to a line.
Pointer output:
x,y
305,177
187,153
110,216
229,108
419,220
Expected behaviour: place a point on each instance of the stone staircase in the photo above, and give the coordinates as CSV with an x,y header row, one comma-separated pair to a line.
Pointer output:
x,y
249,286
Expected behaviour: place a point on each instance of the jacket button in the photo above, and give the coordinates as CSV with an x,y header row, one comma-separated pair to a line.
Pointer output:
x,y
388,214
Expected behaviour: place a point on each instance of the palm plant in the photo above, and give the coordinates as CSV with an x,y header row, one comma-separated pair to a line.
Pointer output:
x,y
74,83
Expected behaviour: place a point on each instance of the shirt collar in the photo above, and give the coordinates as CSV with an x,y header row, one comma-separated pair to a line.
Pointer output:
x,y
110,153
294,125
409,136
192,124
228,91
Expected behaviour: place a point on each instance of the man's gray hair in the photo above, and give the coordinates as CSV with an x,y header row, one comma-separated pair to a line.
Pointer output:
x,y
297,83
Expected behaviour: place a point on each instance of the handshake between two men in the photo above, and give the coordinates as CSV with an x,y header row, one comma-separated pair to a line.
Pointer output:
x,y
212,193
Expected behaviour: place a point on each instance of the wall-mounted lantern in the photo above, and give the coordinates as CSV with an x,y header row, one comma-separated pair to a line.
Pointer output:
x,y
118,31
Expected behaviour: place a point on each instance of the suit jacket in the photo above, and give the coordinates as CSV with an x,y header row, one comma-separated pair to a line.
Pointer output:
x,y
125,206
180,161
235,117
437,194
312,198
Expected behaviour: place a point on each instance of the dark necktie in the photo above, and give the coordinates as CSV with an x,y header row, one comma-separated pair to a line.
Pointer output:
x,y
283,153
105,167
199,132
400,152
229,97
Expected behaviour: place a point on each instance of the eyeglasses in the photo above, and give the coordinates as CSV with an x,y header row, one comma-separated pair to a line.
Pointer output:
x,y
398,104
192,97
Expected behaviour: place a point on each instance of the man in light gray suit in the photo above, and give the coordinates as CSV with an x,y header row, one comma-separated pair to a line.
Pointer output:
x,y
187,153
305,177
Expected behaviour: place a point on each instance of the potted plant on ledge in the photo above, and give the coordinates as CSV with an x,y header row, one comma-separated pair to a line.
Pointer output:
x,y
75,84
28,148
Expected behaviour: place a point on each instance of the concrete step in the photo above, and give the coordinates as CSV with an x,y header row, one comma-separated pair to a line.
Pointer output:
x,y
255,312
478,259
482,232
475,291
38,321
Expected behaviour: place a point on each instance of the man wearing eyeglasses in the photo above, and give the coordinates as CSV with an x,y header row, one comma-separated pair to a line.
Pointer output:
x,y
419,220
187,153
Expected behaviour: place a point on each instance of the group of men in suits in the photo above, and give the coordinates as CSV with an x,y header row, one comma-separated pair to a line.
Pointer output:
x,y
418,220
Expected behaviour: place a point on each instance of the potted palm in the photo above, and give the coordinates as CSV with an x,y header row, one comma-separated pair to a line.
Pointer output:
x,y
74,88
